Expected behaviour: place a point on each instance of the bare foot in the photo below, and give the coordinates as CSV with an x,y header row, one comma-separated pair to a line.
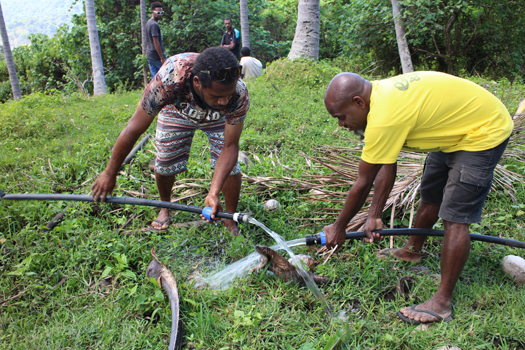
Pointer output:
x,y
399,253
444,311
232,227
162,222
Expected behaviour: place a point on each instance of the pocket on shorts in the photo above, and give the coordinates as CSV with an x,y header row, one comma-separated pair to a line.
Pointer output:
x,y
478,177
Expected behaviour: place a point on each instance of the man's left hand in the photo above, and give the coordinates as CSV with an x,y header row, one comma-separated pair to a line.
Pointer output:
x,y
370,226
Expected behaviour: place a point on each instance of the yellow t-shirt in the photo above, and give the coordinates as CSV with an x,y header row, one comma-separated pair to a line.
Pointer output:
x,y
430,112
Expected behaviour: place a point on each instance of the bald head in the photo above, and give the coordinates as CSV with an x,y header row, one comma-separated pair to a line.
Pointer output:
x,y
343,88
347,98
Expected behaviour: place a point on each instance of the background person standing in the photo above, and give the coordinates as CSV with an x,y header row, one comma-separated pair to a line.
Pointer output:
x,y
231,38
251,66
155,46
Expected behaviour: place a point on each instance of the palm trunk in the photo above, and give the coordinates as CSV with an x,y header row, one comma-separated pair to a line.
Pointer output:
x,y
402,44
306,41
143,21
99,83
245,26
13,78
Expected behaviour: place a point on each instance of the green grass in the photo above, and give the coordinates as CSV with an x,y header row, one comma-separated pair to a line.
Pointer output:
x,y
83,284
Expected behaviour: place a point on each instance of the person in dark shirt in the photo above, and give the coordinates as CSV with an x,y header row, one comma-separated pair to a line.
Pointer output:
x,y
231,38
190,92
154,44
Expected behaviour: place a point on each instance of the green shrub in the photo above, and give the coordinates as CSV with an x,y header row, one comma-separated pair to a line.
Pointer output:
x,y
300,72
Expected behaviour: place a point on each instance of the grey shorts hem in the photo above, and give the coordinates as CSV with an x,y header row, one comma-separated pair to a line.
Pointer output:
x,y
450,215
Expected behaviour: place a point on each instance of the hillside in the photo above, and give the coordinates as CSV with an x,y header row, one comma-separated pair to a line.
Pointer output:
x,y
82,285
36,16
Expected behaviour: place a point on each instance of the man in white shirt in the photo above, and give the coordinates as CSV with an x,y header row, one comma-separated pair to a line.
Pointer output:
x,y
251,67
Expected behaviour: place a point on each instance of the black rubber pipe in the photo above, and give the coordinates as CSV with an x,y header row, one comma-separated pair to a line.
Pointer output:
x,y
317,239
135,150
122,200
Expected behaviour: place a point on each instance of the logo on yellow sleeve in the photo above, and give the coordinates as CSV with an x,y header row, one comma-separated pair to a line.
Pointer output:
x,y
402,82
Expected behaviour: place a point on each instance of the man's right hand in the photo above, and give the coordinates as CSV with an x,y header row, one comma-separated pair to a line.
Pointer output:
x,y
137,125
103,186
334,236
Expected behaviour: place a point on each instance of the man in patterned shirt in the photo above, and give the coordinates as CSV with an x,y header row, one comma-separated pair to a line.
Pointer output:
x,y
191,91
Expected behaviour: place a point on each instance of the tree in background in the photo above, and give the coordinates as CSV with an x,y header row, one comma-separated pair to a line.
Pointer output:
x,y
99,83
402,45
143,21
467,35
62,63
15,87
245,27
460,37
306,41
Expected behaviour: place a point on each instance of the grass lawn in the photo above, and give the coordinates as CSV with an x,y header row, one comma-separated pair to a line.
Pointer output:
x,y
83,285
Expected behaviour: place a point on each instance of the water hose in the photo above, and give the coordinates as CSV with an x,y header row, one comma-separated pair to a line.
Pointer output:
x,y
205,211
135,150
320,238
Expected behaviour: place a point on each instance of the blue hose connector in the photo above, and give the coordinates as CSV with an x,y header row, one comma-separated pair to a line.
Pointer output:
x,y
323,238
206,212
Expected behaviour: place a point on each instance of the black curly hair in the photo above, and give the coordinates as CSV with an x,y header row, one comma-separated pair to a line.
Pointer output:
x,y
213,58
154,5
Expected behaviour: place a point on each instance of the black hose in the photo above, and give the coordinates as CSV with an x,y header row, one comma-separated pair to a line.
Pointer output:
x,y
135,150
317,239
118,200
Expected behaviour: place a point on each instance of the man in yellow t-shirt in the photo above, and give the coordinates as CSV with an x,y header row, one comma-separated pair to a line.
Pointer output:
x,y
464,127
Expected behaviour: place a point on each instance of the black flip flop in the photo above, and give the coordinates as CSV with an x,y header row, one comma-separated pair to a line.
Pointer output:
x,y
161,224
414,322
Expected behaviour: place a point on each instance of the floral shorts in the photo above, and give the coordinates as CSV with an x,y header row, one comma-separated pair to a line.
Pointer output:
x,y
173,139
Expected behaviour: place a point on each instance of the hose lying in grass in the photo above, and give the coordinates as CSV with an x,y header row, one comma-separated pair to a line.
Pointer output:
x,y
165,279
239,217
320,238
135,150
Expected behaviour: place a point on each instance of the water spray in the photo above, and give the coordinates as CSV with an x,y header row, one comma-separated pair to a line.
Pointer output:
x,y
320,238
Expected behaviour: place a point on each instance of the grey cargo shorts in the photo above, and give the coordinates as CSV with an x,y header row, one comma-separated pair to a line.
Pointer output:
x,y
460,182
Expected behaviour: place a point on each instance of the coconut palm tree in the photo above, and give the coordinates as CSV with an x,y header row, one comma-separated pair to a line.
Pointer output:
x,y
9,58
306,41
99,83
143,21
402,44
245,26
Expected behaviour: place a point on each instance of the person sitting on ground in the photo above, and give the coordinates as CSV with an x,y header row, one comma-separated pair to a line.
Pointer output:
x,y
191,91
251,66
463,126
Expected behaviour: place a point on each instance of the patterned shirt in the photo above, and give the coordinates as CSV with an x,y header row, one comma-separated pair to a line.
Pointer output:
x,y
172,85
